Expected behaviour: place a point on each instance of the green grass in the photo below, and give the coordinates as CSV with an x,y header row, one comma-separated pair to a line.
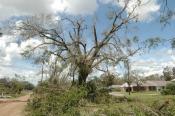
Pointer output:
x,y
141,103
149,97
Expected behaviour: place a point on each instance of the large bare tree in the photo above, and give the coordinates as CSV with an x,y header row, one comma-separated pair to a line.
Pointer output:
x,y
77,42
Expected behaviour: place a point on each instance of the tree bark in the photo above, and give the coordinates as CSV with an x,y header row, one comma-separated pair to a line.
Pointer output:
x,y
83,74
82,78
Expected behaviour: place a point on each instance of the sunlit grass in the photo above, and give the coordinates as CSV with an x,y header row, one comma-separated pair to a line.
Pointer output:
x,y
138,99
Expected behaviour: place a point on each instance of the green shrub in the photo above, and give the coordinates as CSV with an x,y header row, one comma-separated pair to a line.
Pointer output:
x,y
165,92
102,96
169,90
28,86
49,100
14,87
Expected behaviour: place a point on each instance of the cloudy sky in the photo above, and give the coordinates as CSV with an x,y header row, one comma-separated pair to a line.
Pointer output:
x,y
148,26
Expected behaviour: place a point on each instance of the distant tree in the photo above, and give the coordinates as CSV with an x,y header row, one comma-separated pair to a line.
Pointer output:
x,y
27,85
107,79
173,69
118,80
167,73
136,77
169,89
5,81
2,88
16,87
154,77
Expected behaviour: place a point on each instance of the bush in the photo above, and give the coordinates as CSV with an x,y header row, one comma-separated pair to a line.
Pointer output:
x,y
28,86
169,90
52,100
49,100
14,87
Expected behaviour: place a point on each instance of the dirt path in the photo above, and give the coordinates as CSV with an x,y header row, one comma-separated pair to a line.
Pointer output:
x,y
14,107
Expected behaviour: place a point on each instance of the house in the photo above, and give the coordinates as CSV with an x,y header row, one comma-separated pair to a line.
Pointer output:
x,y
156,85
145,86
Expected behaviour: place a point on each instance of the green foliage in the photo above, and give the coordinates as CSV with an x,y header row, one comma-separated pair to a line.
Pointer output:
x,y
14,86
168,73
2,88
108,80
169,90
91,86
98,94
50,100
28,86
102,96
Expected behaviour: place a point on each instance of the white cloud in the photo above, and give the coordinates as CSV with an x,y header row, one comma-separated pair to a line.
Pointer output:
x,y
145,9
11,61
12,53
24,7
155,62
31,7
7,49
74,7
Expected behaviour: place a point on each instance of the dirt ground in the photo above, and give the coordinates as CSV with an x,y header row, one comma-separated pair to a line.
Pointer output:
x,y
13,107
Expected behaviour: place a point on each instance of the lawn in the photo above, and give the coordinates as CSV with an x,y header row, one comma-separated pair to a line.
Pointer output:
x,y
137,104
149,97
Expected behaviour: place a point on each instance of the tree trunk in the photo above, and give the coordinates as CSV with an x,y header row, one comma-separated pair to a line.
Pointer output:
x,y
82,78
83,74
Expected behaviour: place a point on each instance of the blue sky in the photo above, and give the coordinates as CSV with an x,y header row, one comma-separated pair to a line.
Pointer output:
x,y
148,26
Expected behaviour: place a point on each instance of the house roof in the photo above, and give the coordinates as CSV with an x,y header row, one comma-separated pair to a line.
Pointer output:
x,y
155,83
